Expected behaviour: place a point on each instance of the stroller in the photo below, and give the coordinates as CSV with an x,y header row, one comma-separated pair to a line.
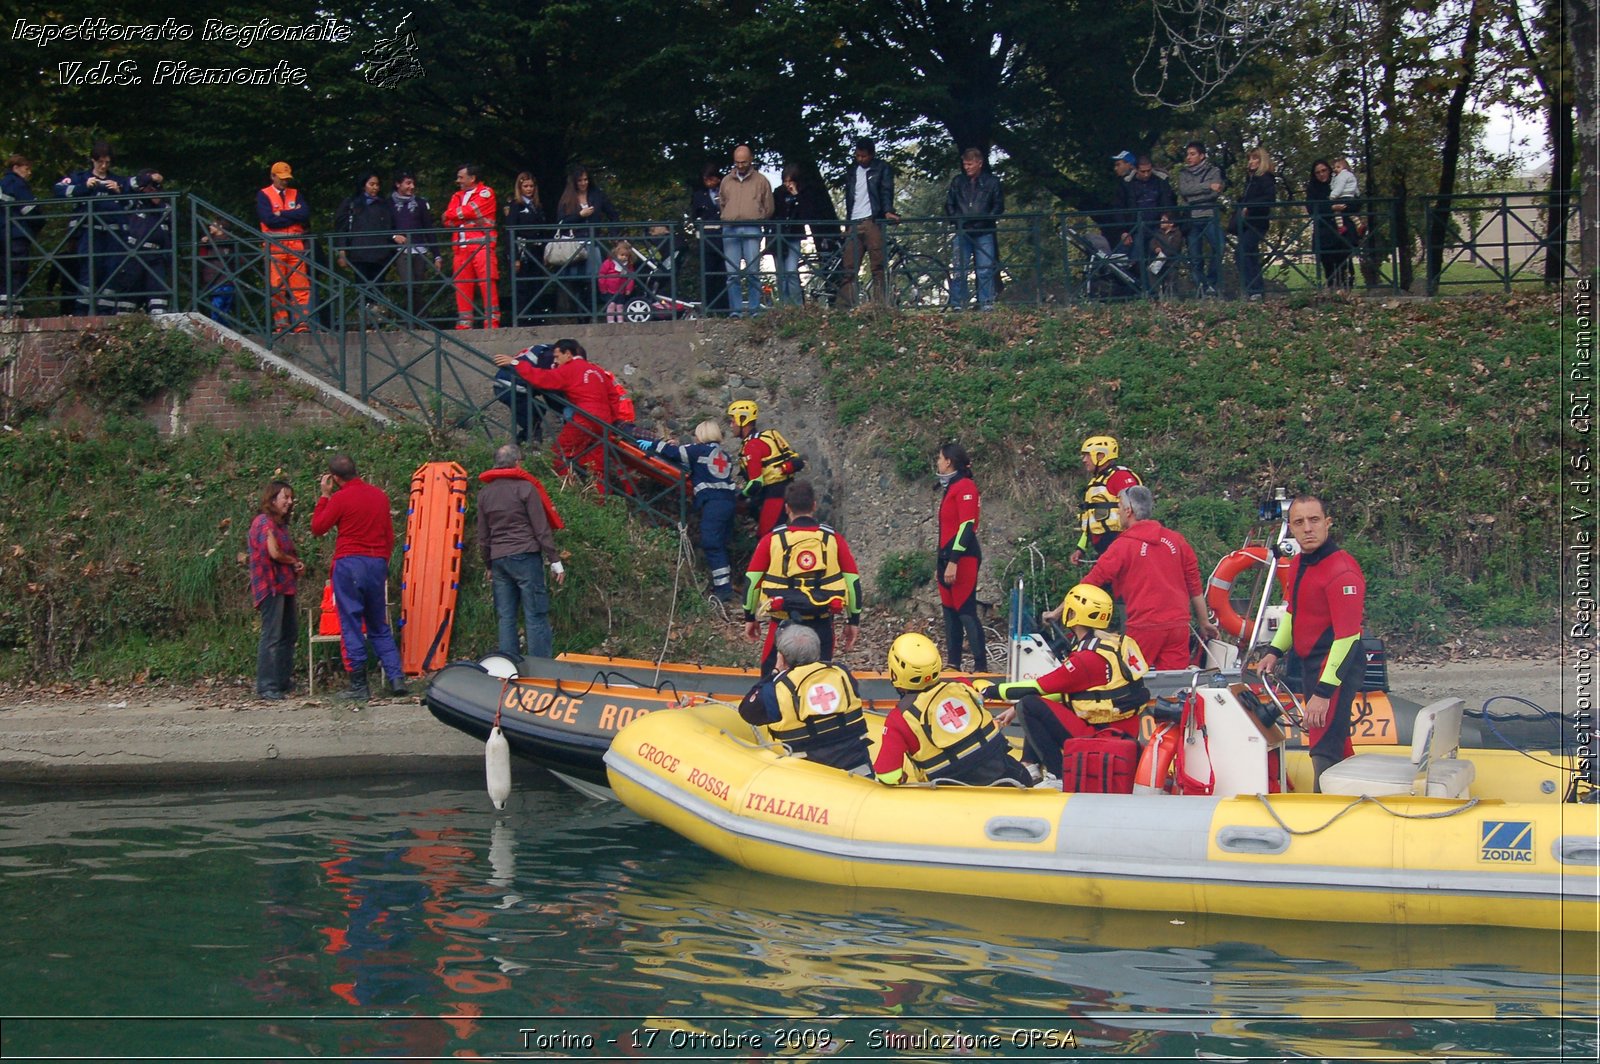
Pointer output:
x,y
653,271
1107,273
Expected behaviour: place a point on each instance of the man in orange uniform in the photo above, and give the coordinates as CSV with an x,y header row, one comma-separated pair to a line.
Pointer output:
x,y
283,214
593,393
472,213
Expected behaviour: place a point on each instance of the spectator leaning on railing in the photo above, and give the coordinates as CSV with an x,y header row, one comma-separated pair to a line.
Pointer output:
x,y
974,199
1200,184
1254,214
868,205
746,204
419,260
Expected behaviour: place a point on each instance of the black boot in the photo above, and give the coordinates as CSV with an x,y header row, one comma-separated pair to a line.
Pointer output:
x,y
980,653
398,688
952,639
357,691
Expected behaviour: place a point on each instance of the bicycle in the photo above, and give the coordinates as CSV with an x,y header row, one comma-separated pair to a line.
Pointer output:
x,y
915,279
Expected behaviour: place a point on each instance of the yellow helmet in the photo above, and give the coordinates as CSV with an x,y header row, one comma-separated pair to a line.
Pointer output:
x,y
914,662
743,412
1103,448
1087,605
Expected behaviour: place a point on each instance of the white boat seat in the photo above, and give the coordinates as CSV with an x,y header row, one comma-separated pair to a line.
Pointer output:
x,y
1432,770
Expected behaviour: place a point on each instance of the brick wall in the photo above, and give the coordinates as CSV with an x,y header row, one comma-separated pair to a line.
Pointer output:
x,y
37,356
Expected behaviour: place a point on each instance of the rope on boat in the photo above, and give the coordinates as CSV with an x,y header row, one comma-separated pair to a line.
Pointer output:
x,y
1441,814
1489,719
685,556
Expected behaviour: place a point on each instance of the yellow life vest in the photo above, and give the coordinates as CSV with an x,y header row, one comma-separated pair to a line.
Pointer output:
x,y
803,577
1125,693
951,726
815,702
1100,513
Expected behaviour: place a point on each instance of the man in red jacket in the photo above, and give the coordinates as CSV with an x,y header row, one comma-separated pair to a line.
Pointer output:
x,y
594,395
360,512
1154,572
472,213
1327,596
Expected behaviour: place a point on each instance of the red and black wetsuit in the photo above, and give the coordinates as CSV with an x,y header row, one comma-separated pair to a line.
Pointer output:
x,y
958,543
1327,596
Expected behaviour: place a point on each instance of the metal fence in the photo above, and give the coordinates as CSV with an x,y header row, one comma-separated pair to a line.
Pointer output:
x,y
117,253
1499,239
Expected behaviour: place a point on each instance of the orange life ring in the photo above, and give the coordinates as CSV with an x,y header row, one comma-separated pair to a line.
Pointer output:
x,y
1155,762
1221,582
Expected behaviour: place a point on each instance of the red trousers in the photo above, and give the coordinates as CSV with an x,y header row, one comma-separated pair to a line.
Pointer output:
x,y
475,272
1164,648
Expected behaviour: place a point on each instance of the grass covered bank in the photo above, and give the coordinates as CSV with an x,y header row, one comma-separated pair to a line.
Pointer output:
x,y
122,557
1432,427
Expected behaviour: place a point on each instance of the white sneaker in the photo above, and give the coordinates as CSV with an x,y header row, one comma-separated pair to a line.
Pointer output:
x,y
1035,773
1049,783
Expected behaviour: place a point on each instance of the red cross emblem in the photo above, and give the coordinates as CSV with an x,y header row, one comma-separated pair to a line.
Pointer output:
x,y
719,464
822,698
806,560
952,715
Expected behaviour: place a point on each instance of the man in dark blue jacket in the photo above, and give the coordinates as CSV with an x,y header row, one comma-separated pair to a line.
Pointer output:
x,y
975,200
99,244
420,260
22,224
868,204
145,277
1143,199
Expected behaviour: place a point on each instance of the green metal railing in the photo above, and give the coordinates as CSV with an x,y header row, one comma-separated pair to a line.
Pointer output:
x,y
1495,240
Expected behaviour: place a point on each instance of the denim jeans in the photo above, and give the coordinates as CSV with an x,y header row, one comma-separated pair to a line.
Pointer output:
x,y
360,588
1206,267
275,652
741,246
520,578
973,250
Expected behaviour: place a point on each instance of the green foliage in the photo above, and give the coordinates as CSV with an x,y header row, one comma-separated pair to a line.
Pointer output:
x,y
899,575
1431,429
129,559
121,368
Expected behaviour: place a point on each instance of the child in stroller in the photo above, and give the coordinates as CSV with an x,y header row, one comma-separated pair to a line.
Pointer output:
x,y
655,263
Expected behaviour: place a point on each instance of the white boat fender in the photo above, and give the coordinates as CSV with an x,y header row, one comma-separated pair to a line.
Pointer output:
x,y
497,766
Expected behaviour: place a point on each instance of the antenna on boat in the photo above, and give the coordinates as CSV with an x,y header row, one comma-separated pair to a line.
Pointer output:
x,y
1283,546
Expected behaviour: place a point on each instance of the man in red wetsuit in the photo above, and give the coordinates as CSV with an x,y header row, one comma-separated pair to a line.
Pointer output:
x,y
1107,479
472,213
594,395
803,572
769,464
1154,572
1327,596
360,512
956,568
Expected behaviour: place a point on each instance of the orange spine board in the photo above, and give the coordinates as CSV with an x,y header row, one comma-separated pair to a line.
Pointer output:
x,y
430,576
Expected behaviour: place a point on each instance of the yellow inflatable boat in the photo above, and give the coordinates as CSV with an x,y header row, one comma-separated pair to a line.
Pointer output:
x,y
1507,851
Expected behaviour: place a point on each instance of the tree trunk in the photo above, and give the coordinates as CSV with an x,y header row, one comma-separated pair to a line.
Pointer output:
x,y
1438,225
1558,193
1581,31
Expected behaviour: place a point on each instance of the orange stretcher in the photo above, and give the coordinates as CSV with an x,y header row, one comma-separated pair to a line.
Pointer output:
x,y
430,576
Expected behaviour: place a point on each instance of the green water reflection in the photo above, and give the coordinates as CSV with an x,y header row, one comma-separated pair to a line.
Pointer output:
x,y
376,919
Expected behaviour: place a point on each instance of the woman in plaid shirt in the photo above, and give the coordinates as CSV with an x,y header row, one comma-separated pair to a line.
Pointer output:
x,y
275,567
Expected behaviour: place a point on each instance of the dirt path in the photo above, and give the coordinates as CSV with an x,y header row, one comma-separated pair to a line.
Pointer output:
x,y
54,736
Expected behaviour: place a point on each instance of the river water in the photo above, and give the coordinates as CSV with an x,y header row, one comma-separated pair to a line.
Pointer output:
x,y
367,919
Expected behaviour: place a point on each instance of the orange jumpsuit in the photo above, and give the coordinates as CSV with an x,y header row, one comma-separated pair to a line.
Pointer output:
x,y
472,213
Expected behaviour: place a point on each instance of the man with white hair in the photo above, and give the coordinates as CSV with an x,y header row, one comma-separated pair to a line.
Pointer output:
x,y
812,707
1154,572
